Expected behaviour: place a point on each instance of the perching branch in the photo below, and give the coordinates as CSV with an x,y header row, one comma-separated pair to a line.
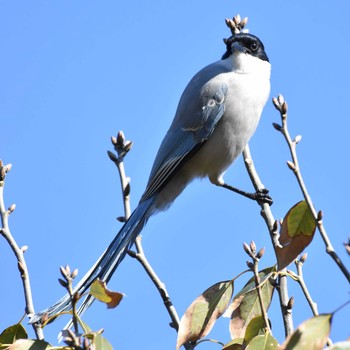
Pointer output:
x,y
282,107
19,252
272,226
122,147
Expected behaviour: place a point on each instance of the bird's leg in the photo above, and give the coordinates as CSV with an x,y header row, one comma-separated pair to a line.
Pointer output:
x,y
261,196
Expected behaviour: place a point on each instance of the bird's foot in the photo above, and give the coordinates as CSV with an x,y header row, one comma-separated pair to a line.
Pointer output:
x,y
261,196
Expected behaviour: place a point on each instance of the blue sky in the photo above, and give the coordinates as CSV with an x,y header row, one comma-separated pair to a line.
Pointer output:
x,y
74,73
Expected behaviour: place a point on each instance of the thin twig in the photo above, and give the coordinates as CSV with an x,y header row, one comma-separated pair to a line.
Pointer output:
x,y
19,252
272,226
300,279
282,107
141,257
122,147
299,265
254,267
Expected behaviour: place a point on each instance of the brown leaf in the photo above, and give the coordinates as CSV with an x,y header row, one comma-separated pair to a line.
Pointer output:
x,y
297,231
99,290
246,307
201,315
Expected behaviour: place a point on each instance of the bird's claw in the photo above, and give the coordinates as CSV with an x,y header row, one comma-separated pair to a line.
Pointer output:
x,y
262,196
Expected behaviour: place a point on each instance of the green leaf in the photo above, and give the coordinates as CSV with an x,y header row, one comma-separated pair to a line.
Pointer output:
x,y
263,342
310,335
264,275
246,305
300,220
101,343
297,231
12,333
29,344
254,328
235,344
201,315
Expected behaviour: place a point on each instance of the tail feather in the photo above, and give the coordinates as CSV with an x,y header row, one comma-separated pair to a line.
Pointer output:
x,y
107,263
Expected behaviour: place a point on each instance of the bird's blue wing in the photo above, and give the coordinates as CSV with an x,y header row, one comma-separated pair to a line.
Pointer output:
x,y
182,142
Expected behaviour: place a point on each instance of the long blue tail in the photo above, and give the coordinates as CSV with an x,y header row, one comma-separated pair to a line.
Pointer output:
x,y
107,263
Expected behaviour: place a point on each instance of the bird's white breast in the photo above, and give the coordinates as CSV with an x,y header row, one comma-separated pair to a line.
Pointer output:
x,y
248,91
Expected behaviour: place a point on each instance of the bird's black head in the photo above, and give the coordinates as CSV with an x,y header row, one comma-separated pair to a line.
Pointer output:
x,y
247,43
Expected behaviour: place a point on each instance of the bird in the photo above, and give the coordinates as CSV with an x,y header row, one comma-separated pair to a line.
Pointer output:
x,y
217,114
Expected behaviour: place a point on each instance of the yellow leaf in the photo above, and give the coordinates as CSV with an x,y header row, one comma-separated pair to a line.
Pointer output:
x,y
99,291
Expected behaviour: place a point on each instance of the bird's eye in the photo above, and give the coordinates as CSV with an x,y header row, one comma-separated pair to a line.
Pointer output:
x,y
254,46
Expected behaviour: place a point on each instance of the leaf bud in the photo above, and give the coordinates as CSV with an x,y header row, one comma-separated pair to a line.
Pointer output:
x,y
303,258
280,99
114,140
12,208
121,218
67,269
291,165
63,283
277,126
120,138
127,146
237,19
8,167
297,139
284,108
290,303
112,156
320,215
252,247
74,273
250,264
132,254
63,272
24,248
260,253
127,190
244,22
228,23
246,248
276,103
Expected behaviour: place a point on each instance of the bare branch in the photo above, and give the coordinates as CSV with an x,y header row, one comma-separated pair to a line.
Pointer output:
x,y
282,107
19,252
